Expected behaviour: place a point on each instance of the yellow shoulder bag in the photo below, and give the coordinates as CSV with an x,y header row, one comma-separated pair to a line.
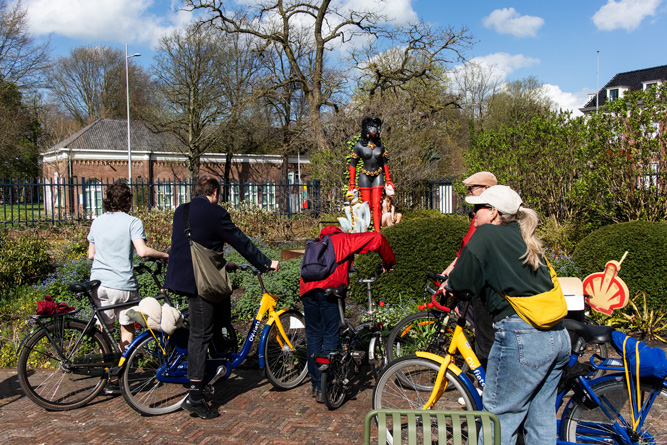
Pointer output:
x,y
542,311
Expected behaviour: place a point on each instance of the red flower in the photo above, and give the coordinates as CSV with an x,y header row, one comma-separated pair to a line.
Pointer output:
x,y
382,304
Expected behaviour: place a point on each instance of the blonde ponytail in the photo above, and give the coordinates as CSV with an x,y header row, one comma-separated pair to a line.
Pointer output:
x,y
528,225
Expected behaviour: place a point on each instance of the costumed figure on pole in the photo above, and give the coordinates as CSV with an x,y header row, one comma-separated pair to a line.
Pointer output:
x,y
374,170
357,214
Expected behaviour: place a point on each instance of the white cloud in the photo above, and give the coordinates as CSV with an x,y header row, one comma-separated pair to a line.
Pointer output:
x,y
565,100
107,20
624,14
509,21
504,64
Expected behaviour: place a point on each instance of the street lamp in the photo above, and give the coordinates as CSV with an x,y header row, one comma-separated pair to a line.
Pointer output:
x,y
127,86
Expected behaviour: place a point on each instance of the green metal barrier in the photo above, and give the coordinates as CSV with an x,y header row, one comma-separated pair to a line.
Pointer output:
x,y
452,426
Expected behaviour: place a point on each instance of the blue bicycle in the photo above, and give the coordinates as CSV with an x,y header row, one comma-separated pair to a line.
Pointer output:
x,y
154,367
616,408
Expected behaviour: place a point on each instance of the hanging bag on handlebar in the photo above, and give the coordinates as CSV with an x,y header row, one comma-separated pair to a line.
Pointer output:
x,y
209,267
642,360
542,311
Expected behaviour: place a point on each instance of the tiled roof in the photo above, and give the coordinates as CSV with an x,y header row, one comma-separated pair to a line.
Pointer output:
x,y
111,134
632,79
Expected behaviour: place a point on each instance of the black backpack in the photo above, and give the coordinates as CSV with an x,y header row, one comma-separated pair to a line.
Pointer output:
x,y
319,259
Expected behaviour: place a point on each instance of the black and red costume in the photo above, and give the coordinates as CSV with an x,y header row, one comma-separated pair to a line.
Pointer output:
x,y
374,174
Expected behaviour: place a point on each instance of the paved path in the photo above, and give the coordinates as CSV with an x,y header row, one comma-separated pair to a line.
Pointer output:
x,y
251,412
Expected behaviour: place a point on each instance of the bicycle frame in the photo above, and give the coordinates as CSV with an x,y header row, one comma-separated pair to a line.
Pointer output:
x,y
221,366
459,342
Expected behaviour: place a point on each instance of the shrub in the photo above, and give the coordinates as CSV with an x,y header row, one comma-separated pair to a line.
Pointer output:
x,y
421,245
284,284
24,259
644,269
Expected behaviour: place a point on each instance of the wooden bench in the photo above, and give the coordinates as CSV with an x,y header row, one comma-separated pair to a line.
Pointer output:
x,y
451,426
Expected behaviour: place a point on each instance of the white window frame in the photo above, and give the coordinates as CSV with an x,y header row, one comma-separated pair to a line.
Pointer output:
x,y
648,83
93,191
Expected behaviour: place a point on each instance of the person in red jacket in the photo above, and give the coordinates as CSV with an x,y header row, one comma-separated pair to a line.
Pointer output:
x,y
321,313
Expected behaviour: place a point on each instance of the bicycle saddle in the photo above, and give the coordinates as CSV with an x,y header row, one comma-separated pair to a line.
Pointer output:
x,y
592,334
86,286
338,292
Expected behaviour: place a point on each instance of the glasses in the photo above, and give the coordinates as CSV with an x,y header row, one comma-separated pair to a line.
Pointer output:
x,y
472,188
482,206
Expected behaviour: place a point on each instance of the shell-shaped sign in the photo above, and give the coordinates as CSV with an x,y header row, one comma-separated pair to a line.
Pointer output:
x,y
607,290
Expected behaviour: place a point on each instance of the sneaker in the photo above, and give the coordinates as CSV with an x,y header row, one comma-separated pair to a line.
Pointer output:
x,y
319,398
201,409
112,389
314,391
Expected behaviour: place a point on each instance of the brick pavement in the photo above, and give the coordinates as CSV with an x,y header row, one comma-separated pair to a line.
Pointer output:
x,y
251,412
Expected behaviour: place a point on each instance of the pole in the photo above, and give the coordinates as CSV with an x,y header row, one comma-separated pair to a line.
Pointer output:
x,y
597,86
127,91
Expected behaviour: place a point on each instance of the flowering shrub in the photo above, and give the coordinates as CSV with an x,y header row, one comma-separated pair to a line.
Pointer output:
x,y
562,264
388,314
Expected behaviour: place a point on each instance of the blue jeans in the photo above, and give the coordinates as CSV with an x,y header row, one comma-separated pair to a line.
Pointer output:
x,y
525,365
322,329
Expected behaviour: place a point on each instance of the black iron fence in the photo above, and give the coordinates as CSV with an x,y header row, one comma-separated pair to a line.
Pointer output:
x,y
44,201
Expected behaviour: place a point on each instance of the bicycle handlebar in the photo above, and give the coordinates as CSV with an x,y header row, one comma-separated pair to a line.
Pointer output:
x,y
154,273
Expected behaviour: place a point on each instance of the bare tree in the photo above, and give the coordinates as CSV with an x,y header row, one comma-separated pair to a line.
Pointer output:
x,y
205,82
90,84
418,52
22,61
477,86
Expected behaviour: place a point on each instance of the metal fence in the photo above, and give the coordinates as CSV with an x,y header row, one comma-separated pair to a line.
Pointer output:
x,y
44,201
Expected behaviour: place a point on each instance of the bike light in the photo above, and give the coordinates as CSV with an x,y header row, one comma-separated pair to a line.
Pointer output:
x,y
322,360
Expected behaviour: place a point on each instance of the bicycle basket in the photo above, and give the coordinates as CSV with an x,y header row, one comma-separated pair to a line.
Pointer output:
x,y
652,361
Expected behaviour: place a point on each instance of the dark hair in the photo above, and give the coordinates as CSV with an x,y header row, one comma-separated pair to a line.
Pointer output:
x,y
207,185
119,198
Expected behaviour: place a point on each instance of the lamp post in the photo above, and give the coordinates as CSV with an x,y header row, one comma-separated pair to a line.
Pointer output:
x,y
127,87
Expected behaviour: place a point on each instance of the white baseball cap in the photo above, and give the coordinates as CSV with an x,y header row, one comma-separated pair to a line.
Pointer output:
x,y
500,197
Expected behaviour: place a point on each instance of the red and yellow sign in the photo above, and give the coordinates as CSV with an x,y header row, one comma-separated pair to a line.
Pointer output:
x,y
607,290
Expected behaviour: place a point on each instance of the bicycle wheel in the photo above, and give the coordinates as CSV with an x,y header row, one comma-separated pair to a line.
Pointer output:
x,y
139,384
582,424
376,355
416,332
286,368
333,384
57,384
407,384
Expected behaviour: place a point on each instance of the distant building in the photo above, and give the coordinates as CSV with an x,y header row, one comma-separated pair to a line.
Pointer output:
x,y
97,155
100,151
623,82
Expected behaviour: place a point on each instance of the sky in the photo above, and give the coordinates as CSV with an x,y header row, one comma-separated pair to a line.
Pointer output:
x,y
555,41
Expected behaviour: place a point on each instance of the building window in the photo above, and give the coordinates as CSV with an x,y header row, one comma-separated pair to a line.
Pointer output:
x,y
92,197
269,196
613,95
164,196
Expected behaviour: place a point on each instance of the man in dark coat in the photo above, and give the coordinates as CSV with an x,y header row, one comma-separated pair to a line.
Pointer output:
x,y
211,227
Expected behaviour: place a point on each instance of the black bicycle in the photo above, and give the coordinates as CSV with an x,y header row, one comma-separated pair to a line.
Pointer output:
x,y
359,345
65,361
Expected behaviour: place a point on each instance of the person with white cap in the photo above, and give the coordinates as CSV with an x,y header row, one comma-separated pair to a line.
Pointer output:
x,y
483,324
525,364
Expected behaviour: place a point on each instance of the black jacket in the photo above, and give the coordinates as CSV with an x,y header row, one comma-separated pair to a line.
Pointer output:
x,y
211,227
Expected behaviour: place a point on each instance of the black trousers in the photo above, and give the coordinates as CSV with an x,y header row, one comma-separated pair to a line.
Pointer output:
x,y
205,319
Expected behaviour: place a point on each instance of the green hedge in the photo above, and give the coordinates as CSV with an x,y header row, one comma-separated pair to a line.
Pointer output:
x,y
421,245
644,269
24,259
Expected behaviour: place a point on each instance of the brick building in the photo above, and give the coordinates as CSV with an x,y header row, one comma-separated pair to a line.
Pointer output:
x,y
98,155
